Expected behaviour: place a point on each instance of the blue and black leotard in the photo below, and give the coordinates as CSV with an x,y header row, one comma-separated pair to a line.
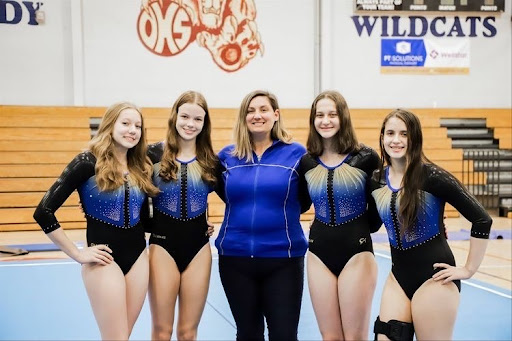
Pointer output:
x,y
179,211
414,253
113,217
341,227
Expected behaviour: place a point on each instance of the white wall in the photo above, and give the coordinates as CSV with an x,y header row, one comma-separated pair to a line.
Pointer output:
x,y
117,65
35,61
88,53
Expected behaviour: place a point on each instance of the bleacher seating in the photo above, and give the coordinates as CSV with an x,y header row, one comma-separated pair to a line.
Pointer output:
x,y
38,142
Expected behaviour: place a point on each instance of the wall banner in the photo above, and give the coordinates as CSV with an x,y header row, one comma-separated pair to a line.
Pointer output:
x,y
225,28
425,56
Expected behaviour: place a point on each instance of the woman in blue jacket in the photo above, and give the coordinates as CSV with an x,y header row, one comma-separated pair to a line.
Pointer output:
x,y
261,244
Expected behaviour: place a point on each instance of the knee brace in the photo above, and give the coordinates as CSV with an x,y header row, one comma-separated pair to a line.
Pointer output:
x,y
394,330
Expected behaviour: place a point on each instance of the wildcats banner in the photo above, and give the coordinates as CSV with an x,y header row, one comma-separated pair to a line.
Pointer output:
x,y
425,56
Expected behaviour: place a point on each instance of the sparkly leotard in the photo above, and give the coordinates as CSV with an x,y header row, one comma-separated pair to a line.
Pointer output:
x,y
179,215
113,217
341,228
414,253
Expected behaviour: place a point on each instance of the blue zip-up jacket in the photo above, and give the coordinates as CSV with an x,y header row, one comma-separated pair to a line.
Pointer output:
x,y
264,200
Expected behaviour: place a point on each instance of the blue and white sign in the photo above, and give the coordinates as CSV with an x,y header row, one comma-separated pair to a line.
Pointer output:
x,y
403,52
433,56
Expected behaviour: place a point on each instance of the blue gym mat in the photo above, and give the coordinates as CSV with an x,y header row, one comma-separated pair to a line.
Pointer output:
x,y
46,300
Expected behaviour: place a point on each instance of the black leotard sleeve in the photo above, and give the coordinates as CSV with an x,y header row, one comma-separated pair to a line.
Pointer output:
x,y
76,173
374,219
304,198
219,185
444,185
155,152
368,160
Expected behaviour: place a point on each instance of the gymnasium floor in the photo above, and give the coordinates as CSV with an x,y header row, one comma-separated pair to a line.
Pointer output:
x,y
42,296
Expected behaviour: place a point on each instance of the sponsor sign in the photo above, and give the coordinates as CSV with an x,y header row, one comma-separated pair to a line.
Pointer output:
x,y
425,56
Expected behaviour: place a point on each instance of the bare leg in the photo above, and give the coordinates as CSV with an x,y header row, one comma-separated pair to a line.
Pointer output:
x,y
323,289
136,288
164,284
434,310
195,281
395,305
356,285
106,288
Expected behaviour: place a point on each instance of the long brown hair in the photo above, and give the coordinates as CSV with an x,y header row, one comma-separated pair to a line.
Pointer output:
x,y
204,150
345,140
243,139
411,197
109,174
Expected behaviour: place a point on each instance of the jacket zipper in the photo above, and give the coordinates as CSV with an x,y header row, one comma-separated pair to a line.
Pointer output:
x,y
254,205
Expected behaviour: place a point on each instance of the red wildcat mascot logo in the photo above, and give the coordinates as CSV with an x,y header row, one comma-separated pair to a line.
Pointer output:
x,y
227,28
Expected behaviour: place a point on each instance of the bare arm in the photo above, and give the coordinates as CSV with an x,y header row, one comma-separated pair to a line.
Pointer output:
x,y
94,254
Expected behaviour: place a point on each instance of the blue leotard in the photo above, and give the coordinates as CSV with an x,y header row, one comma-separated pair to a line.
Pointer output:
x,y
341,228
113,217
414,253
179,211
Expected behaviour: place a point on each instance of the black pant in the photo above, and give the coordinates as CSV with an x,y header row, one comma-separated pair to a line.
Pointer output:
x,y
258,288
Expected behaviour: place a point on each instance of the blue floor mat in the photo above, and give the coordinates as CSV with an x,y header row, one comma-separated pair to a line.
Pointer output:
x,y
46,300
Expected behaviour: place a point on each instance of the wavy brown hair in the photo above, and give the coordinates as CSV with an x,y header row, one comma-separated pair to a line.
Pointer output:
x,y
412,181
345,140
243,138
204,151
109,173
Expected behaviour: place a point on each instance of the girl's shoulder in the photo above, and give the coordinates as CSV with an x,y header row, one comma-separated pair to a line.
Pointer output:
x,y
155,151
308,162
379,177
365,158
84,159
365,153
435,175
83,163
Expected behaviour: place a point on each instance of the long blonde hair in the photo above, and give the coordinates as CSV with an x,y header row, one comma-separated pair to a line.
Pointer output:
x,y
243,139
109,174
204,150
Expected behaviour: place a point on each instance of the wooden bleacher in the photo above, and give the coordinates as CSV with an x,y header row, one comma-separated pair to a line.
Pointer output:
x,y
38,142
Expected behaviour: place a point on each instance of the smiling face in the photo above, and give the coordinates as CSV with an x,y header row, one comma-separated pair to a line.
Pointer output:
x,y
394,139
260,116
190,121
127,129
327,120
